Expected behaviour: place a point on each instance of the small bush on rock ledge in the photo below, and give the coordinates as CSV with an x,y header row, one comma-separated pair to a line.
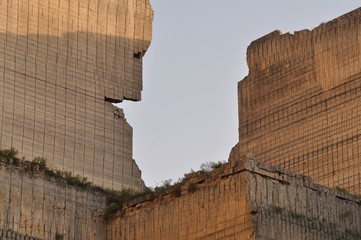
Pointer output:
x,y
38,165
10,156
210,166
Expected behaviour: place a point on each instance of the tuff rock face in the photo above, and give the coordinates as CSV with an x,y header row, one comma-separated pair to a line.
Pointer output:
x,y
299,106
62,64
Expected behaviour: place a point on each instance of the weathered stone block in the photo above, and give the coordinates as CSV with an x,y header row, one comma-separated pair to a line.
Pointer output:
x,y
299,106
63,63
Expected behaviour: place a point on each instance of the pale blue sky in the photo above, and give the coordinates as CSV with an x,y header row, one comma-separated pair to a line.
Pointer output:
x,y
188,113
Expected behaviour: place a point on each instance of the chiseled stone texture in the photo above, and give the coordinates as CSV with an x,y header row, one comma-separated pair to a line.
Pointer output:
x,y
288,206
41,208
217,210
61,64
249,201
299,106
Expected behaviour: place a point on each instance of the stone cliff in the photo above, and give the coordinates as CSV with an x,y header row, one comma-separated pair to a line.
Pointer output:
x,y
62,64
298,109
34,205
299,106
249,200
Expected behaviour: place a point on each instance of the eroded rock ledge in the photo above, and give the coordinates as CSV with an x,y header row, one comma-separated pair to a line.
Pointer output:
x,y
248,200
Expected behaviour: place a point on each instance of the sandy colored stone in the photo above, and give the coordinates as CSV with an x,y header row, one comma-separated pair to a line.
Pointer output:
x,y
248,201
298,109
61,64
299,106
40,207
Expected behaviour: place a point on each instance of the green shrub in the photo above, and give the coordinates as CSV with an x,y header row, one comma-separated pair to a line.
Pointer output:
x,y
38,164
10,155
177,190
192,187
116,200
77,180
210,166
165,184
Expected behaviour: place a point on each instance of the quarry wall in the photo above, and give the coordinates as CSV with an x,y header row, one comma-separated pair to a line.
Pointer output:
x,y
298,109
62,64
217,209
289,206
33,206
248,201
299,105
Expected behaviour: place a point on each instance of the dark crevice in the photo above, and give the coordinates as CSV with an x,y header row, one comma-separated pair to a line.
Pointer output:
x,y
138,55
115,100
112,100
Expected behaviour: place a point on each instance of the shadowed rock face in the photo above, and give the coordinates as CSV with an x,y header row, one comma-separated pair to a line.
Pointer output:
x,y
62,64
299,107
